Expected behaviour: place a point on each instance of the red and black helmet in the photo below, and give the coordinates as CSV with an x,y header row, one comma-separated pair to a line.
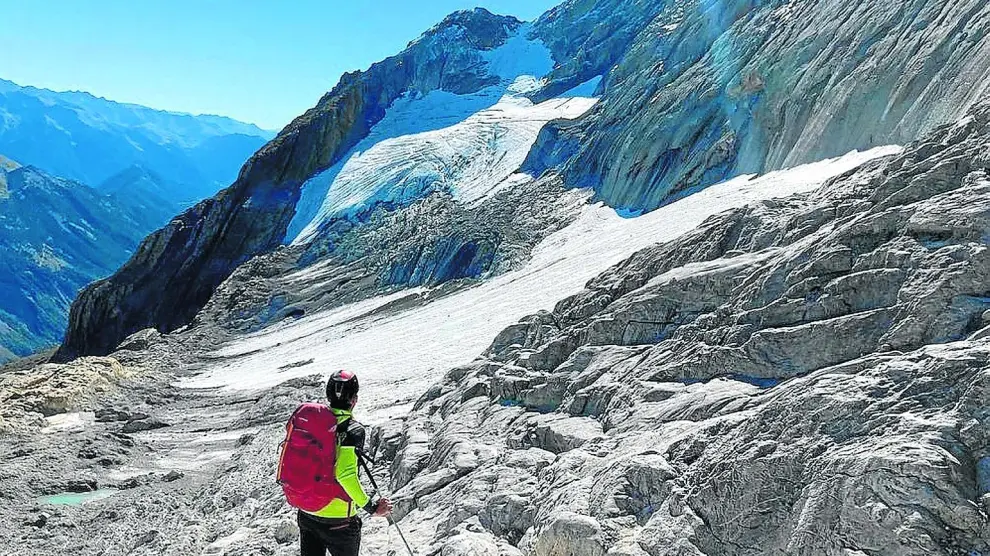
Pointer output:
x,y
342,388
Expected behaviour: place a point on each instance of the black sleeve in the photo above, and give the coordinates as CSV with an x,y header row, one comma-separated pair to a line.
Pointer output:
x,y
355,436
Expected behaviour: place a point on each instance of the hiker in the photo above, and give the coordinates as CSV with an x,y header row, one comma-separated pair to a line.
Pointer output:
x,y
319,439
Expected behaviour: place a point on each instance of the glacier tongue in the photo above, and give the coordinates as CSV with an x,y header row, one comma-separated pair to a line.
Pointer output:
x,y
467,145
418,345
467,159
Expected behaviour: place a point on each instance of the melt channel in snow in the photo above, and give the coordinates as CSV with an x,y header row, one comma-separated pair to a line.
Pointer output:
x,y
403,352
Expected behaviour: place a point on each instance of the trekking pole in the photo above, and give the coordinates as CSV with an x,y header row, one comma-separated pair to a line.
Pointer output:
x,y
374,483
401,536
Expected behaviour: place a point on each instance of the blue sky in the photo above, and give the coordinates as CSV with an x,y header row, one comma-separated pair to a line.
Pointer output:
x,y
261,61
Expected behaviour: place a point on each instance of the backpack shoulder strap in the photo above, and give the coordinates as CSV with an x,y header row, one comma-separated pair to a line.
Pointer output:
x,y
343,427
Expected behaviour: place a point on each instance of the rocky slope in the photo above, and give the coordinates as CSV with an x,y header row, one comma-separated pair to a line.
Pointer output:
x,y
57,236
692,92
802,376
88,139
185,426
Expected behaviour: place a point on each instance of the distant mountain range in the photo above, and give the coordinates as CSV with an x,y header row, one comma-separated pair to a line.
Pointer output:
x,y
92,177
56,236
89,139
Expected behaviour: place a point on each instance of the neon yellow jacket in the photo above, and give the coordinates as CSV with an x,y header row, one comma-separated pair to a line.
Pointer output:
x,y
350,439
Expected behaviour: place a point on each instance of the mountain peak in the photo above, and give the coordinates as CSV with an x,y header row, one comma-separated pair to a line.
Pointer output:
x,y
8,164
132,172
139,182
479,27
479,14
474,15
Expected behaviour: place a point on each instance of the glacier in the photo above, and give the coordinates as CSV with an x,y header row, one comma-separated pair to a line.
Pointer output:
x,y
468,145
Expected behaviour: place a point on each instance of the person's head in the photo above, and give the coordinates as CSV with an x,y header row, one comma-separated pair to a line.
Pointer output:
x,y
342,390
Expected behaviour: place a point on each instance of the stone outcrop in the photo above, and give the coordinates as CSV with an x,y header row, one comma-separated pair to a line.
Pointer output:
x,y
26,397
802,376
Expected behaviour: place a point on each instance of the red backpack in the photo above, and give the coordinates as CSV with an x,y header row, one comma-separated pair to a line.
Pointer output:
x,y
306,468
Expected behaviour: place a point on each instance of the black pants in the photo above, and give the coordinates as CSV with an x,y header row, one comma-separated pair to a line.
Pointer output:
x,y
317,536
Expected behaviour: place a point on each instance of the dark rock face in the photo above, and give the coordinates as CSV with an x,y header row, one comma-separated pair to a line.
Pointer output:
x,y
172,476
108,415
81,485
39,521
176,270
144,424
